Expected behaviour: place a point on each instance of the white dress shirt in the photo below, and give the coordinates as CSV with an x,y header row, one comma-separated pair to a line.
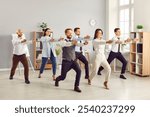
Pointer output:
x,y
80,41
115,46
18,47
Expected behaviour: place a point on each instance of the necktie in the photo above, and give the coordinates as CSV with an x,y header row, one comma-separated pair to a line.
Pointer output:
x,y
118,45
80,47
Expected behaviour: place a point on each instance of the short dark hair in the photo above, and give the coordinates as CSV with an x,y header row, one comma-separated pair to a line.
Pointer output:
x,y
75,29
116,29
66,30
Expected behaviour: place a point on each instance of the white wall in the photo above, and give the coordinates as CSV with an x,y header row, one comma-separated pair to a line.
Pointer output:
x,y
142,15
59,14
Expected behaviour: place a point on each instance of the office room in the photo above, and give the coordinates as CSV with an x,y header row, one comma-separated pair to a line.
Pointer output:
x,y
107,15
74,50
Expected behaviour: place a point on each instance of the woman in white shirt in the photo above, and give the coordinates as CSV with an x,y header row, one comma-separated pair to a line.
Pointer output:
x,y
100,59
48,51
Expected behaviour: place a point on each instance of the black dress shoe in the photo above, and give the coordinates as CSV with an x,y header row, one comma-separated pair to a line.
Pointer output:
x,y
56,83
77,89
39,76
99,73
11,78
122,77
27,81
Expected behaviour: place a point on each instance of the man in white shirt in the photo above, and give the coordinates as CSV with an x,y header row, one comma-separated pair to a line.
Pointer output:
x,y
19,55
79,51
116,52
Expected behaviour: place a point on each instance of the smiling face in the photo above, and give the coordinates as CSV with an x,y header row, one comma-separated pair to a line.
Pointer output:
x,y
99,34
77,32
68,33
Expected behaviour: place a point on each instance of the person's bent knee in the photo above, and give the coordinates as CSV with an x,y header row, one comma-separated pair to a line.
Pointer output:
x,y
86,62
125,63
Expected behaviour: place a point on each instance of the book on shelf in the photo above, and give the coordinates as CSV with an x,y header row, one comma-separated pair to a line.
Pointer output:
x,y
139,70
140,60
139,48
38,45
138,35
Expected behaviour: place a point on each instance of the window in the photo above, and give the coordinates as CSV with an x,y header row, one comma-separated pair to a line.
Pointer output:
x,y
132,1
124,2
126,17
124,21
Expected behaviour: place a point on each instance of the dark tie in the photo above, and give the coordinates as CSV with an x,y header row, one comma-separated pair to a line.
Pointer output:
x,y
80,47
118,45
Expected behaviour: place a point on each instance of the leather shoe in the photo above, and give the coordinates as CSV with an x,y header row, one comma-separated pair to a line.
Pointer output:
x,y
27,81
56,83
77,89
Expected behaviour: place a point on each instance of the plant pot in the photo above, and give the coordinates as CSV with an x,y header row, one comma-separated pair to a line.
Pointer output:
x,y
140,30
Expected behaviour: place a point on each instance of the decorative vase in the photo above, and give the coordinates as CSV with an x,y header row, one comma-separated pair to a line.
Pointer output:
x,y
140,30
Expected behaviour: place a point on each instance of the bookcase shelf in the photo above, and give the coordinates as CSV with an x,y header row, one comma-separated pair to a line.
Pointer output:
x,y
140,54
37,51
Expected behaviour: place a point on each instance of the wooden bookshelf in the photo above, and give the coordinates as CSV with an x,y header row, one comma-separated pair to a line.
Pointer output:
x,y
37,51
140,54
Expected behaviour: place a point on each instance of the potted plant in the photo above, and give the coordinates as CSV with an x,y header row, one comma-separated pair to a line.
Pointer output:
x,y
140,28
43,26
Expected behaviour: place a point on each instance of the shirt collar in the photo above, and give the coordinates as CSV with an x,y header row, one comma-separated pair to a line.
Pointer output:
x,y
77,36
117,36
68,39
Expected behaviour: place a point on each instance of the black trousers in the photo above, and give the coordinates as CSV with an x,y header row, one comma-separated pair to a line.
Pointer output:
x,y
66,67
83,59
118,56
